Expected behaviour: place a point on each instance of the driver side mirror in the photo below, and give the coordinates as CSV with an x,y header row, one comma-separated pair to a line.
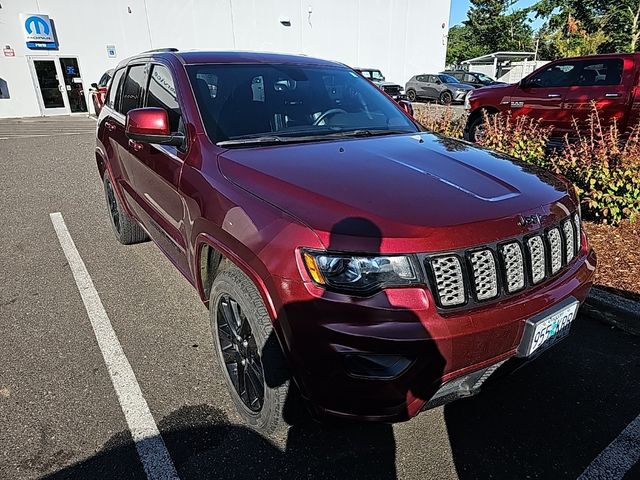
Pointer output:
x,y
94,85
524,83
438,82
406,106
151,125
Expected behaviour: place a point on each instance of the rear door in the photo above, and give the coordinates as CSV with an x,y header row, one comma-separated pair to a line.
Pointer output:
x,y
604,82
544,95
155,172
428,86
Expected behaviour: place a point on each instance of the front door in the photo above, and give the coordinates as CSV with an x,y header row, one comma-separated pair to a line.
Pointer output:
x,y
73,84
50,86
544,94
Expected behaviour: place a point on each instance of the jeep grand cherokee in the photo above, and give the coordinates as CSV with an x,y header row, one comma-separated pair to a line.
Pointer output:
x,y
348,258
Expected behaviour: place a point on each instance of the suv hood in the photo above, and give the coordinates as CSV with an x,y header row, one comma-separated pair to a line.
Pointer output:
x,y
418,186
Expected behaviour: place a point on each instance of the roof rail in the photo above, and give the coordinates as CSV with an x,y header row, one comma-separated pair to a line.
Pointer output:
x,y
170,49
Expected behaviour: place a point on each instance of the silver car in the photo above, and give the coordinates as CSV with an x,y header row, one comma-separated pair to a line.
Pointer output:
x,y
441,87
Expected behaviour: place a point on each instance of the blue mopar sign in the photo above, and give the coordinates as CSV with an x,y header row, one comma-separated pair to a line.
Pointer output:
x,y
38,31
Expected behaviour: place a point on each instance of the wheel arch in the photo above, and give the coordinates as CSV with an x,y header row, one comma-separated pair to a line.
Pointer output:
x,y
209,256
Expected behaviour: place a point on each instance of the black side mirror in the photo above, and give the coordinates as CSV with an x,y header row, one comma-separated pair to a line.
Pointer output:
x,y
94,85
438,82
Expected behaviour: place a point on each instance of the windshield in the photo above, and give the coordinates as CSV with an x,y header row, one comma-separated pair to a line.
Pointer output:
x,y
448,79
484,78
240,101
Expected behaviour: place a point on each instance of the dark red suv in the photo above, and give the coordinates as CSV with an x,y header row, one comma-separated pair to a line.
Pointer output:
x,y
348,258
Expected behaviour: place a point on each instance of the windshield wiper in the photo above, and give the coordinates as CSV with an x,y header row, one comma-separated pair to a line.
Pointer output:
x,y
267,139
276,139
363,132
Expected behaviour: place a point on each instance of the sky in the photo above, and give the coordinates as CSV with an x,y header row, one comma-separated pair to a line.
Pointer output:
x,y
459,11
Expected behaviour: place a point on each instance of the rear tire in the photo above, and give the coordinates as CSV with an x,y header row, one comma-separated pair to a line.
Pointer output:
x,y
411,95
250,340
125,228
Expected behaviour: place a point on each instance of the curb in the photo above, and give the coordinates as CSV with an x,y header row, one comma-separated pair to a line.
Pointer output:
x,y
612,309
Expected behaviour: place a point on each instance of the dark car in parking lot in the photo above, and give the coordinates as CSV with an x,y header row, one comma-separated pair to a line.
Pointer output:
x,y
349,259
375,76
475,79
441,87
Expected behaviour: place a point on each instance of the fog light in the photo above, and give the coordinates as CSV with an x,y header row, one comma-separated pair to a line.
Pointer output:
x,y
376,366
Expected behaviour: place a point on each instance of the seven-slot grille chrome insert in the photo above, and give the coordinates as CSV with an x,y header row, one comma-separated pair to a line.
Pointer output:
x,y
487,273
449,281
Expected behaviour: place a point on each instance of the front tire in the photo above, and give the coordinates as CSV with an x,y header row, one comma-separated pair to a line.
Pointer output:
x,y
248,352
125,228
477,129
445,98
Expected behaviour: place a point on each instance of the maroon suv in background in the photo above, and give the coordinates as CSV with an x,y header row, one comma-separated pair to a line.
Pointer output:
x,y
562,92
346,256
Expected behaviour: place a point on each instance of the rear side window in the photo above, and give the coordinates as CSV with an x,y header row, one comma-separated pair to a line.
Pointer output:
x,y
133,88
601,72
112,94
162,94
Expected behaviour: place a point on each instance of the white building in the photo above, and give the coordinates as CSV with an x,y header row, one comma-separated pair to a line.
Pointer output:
x,y
87,37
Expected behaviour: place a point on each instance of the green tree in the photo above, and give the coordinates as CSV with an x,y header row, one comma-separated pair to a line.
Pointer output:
x,y
588,26
496,26
461,46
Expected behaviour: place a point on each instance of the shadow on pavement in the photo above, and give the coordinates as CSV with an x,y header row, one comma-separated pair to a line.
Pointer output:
x,y
556,414
204,444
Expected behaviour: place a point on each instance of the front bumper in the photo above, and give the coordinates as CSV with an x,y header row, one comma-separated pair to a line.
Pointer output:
x,y
323,330
459,96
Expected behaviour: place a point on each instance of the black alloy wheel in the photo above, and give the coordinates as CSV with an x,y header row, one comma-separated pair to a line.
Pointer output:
x,y
446,98
240,353
113,206
411,95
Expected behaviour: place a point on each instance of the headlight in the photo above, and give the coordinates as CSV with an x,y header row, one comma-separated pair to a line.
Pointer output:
x,y
467,100
359,274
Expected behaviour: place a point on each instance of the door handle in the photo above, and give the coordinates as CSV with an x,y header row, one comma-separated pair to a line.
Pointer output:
x,y
109,126
135,146
554,95
612,95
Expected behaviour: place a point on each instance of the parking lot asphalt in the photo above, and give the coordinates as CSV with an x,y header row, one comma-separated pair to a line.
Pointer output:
x,y
60,416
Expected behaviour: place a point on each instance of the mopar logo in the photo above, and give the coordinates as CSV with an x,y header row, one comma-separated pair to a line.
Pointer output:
x,y
37,25
526,220
38,31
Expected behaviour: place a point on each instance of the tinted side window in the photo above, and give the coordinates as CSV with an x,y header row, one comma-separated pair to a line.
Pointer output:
x,y
162,94
557,75
468,78
112,94
421,78
104,79
601,72
133,88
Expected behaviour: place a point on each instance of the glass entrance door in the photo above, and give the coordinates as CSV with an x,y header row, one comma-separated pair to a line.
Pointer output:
x,y
73,84
51,91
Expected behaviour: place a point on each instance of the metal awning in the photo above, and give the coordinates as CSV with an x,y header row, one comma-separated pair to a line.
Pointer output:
x,y
494,57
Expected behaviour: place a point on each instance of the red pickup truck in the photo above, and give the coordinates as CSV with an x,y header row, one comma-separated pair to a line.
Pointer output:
x,y
562,91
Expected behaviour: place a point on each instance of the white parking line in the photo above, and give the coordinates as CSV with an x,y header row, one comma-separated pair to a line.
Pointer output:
x,y
150,446
618,458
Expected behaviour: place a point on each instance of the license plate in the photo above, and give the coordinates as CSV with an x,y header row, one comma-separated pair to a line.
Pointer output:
x,y
546,329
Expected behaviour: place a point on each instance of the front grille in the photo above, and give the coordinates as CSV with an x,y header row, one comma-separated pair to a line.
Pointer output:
x,y
484,274
494,271
391,89
450,283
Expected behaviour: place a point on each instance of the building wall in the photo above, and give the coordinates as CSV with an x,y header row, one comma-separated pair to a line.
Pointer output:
x,y
401,37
